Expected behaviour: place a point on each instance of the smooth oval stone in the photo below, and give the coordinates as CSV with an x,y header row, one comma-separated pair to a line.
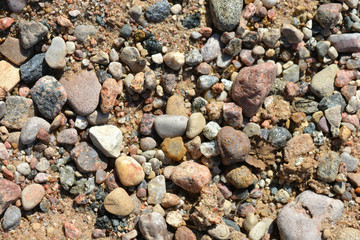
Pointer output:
x,y
226,13
170,125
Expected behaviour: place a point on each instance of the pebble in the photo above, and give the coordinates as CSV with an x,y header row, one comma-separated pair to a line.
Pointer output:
x,y
83,32
333,115
9,76
129,171
233,48
31,33
269,3
292,74
348,233
81,122
292,34
107,138
98,118
240,177
176,106
31,129
10,192
219,231
12,218
131,57
250,221
16,5
206,81
346,42
226,14
195,125
153,226
14,52
34,69
322,84
278,136
174,60
211,130
118,202
211,49
232,115
108,94
234,145
157,58
193,58
147,143
184,233
83,90
100,58
67,136
71,231
168,126
174,148
49,96
156,190
260,229
350,161
86,158
328,15
244,91
191,176
56,53
158,11
170,200
31,196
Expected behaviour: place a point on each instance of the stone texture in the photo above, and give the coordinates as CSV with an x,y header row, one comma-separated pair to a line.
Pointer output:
x,y
131,57
292,34
67,136
34,69
252,85
18,111
232,115
31,129
12,218
119,203
107,138
14,52
240,177
195,125
83,90
109,92
16,5
226,13
211,49
9,193
83,32
9,76
153,226
191,176
328,15
156,189
346,43
129,171
328,166
86,158
170,125
31,196
49,96
322,83
31,33
174,148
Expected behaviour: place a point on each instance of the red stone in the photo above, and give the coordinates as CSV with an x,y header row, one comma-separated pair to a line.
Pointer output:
x,y
206,31
247,57
71,231
99,233
9,193
252,85
5,23
109,92
348,91
249,11
344,77
8,174
81,199
43,136
232,114
353,119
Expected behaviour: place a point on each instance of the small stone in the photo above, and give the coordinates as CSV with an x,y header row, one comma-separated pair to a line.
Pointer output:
x,y
170,200
232,115
174,148
71,231
292,34
31,128
260,229
153,226
115,69
219,231
233,48
170,125
184,233
292,74
176,106
328,15
157,58
16,5
86,158
14,52
129,171
10,192
131,57
147,143
118,203
56,53
174,60
9,76
193,58
278,136
100,58
240,177
147,124
346,43
156,190
81,122
191,176
67,136
252,129
333,115
83,32
12,218
195,125
34,69
350,161
211,130
226,14
322,84
211,48
348,233
158,11
109,92
31,196
6,23
206,81
31,33
269,3
98,118
174,219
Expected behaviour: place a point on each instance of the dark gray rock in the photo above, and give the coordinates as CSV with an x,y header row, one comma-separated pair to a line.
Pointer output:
x,y
158,11
12,218
31,33
328,166
278,136
34,69
332,101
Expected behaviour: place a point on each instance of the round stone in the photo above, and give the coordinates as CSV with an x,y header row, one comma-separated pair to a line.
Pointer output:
x,y
119,203
31,196
129,171
56,53
195,125
240,177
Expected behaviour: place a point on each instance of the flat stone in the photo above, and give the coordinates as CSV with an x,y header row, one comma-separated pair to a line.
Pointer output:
x,y
107,138
31,33
195,125
119,203
67,136
31,196
226,14
170,125
14,52
56,53
83,90
86,158
83,32
9,193
328,166
49,96
18,111
211,49
31,128
9,76
346,43
129,171
34,69
322,83
156,190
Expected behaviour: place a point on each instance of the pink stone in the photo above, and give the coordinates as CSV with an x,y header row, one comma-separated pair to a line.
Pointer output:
x,y
247,57
249,11
344,77
353,119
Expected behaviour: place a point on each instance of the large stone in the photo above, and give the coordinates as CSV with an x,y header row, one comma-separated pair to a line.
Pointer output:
x,y
31,196
346,43
328,15
12,218
170,125
31,33
303,217
119,203
14,52
16,5
31,129
86,158
129,171
9,76
34,69
9,193
153,226
83,90
83,32
211,49
108,139
226,13
131,57
56,53
18,111
322,83
49,96
252,85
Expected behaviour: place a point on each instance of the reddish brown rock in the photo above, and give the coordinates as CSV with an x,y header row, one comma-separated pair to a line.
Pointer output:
x,y
234,145
348,91
252,85
8,174
240,177
67,136
86,158
99,233
191,176
354,178
353,119
110,90
328,15
184,233
232,114
344,77
71,231
5,23
170,200
43,136
14,52
9,192
112,182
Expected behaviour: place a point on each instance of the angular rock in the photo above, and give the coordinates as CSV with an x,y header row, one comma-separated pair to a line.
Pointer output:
x,y
153,226
232,115
158,11
174,148
9,193
292,34
109,92
14,52
226,13
131,57
34,69
86,158
31,33
108,139
31,128
328,166
18,111
9,76
67,136
211,49
156,189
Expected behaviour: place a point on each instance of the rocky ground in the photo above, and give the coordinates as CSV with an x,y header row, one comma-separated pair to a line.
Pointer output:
x,y
172,119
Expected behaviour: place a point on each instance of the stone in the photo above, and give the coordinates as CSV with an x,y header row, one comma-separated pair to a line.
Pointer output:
x,y
83,32
211,130
153,226
119,203
302,217
31,128
195,125
328,15
31,33
346,43
100,58
234,145
109,92
322,83
107,138
354,178
81,122
211,49
156,190
83,90
170,125
232,114
184,233
328,166
34,69
14,52
49,96
191,176
170,200
174,219
18,111
9,76
174,60
98,118
56,53
252,85
176,106
67,137
115,69
350,161
333,115
86,158
31,196
193,147
240,177
344,77
12,218
260,229
147,143
193,58
206,81
252,129
348,234
71,231
129,171
158,11
226,14
292,34
292,74
9,193
16,5
278,136
174,148
147,124
131,57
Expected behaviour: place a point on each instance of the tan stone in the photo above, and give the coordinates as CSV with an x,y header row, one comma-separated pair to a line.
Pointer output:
x,y
196,124
118,202
9,76
170,200
174,148
176,106
129,171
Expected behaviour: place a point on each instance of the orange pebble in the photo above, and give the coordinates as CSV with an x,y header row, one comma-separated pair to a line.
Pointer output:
x,y
5,23
357,190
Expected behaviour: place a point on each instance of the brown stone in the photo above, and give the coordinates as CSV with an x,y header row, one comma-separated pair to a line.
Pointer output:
x,y
176,106
14,52
354,178
252,85
233,115
9,76
110,90
86,158
174,148
129,171
184,233
240,177
170,200
31,196
119,203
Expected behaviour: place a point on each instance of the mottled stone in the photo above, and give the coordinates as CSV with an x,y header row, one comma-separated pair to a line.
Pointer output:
x,y
226,14
346,43
31,33
174,148
34,69
9,193
240,177
31,129
232,115
86,158
18,111
67,136
328,15
109,92
31,196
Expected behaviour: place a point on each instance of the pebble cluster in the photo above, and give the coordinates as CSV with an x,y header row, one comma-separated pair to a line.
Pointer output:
x,y
250,133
